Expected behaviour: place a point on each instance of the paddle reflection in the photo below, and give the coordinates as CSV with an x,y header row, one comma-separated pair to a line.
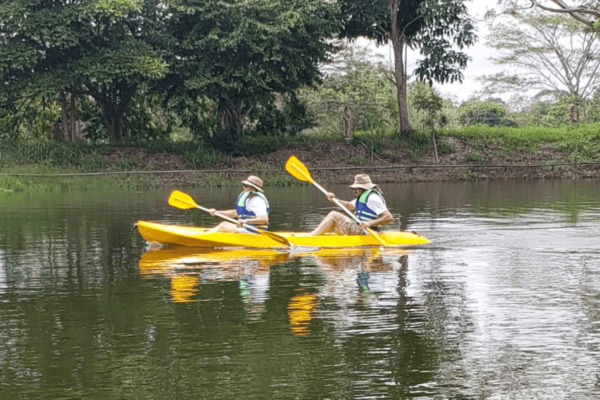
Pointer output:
x,y
300,311
183,288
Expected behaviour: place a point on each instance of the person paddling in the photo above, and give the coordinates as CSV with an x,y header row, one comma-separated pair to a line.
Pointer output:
x,y
369,206
251,207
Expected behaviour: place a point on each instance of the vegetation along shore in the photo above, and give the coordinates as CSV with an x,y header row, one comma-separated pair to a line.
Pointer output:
x,y
134,94
466,154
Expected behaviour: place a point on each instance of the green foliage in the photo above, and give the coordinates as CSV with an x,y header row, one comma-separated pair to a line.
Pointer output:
x,y
580,143
97,48
353,80
432,25
33,120
355,160
239,55
52,153
490,113
201,158
427,103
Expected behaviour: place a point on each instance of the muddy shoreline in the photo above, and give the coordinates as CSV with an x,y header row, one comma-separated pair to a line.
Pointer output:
x,y
337,163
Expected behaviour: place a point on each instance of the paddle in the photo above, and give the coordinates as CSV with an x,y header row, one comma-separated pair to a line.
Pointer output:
x,y
184,201
299,171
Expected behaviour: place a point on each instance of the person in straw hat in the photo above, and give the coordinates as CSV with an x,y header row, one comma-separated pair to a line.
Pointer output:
x,y
369,206
251,207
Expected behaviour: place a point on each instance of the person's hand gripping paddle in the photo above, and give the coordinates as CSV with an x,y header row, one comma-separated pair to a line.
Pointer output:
x,y
299,171
184,201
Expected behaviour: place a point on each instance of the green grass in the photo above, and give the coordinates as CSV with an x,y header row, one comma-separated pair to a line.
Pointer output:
x,y
579,144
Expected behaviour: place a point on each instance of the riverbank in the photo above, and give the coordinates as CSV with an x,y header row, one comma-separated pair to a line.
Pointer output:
x,y
474,153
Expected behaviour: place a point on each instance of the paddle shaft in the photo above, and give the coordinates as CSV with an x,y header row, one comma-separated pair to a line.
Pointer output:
x,y
340,205
233,221
307,177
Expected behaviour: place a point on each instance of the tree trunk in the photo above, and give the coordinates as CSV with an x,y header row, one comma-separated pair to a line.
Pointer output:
x,y
62,97
112,121
113,111
72,121
348,125
398,44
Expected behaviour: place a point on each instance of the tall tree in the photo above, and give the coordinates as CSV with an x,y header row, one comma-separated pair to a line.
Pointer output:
x,y
434,26
551,53
100,48
586,12
355,78
241,54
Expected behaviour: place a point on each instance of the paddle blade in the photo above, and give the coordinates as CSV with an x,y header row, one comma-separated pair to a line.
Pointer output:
x,y
377,237
181,200
297,169
275,237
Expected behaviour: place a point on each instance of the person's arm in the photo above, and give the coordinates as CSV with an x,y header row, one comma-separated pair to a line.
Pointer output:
x,y
348,204
227,213
259,207
258,220
384,218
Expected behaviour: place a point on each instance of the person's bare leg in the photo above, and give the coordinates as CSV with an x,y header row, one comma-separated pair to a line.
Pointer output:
x,y
328,224
224,227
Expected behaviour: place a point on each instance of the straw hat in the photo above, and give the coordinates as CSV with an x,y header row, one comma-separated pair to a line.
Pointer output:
x,y
362,181
255,182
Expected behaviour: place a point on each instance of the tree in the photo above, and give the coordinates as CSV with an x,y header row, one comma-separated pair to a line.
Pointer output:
x,y
355,78
552,54
587,13
488,112
432,25
98,48
427,101
240,55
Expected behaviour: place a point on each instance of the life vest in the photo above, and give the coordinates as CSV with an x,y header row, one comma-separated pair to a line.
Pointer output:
x,y
244,213
362,211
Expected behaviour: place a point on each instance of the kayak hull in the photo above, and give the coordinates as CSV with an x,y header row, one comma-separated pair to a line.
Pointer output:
x,y
199,237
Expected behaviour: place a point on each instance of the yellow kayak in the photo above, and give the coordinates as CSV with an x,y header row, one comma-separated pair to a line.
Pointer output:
x,y
199,237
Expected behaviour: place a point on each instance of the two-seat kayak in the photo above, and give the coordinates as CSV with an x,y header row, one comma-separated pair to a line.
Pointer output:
x,y
200,237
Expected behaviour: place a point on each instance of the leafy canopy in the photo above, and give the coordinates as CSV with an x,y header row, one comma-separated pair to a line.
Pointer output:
x,y
434,26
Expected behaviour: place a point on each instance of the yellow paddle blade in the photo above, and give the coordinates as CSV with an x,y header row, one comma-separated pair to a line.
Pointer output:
x,y
275,237
181,200
297,169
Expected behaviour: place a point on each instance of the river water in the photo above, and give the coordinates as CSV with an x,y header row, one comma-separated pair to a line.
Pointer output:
x,y
504,303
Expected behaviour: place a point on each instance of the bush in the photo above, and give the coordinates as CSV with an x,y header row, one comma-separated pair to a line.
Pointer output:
x,y
490,113
254,145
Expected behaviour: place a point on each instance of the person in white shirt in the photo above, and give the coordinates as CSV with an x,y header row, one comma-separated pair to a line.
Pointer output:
x,y
251,207
369,206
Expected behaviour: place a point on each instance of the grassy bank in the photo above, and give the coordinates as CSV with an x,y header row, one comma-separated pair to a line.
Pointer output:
x,y
38,166
573,144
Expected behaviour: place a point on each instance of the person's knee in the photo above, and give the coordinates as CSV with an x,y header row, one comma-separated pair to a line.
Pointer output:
x,y
334,215
337,216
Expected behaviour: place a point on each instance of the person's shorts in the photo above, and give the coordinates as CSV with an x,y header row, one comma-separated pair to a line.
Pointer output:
x,y
349,227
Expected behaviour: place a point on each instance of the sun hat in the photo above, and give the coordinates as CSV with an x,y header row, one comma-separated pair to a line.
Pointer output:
x,y
255,182
362,181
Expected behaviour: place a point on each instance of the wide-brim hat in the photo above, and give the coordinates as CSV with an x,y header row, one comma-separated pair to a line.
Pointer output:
x,y
363,181
255,182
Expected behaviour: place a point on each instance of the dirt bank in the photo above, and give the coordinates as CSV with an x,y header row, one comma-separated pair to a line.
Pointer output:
x,y
387,166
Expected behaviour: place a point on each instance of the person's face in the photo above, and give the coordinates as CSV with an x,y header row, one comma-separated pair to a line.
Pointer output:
x,y
246,188
357,191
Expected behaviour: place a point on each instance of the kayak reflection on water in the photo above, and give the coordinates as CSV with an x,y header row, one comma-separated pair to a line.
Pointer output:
x,y
188,268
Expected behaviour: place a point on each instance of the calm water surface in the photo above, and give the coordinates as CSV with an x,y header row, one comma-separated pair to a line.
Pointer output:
x,y
503,304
